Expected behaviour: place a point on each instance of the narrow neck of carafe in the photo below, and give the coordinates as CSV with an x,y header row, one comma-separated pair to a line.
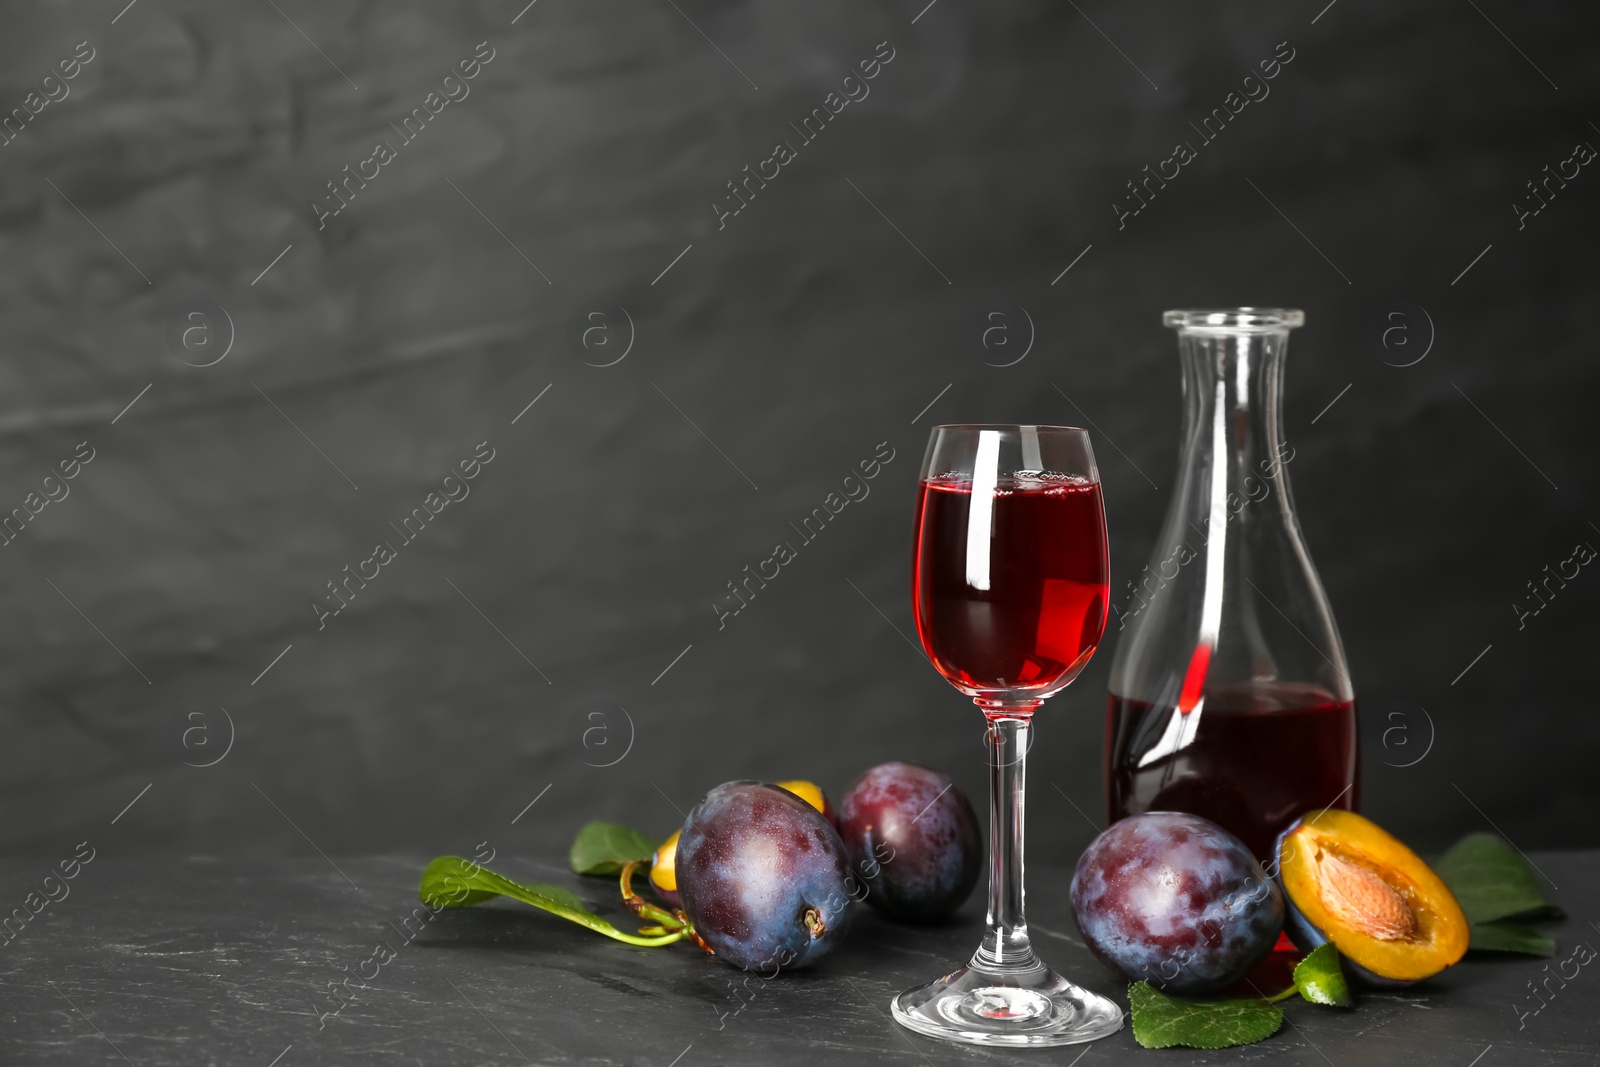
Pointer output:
x,y
1234,453
1233,489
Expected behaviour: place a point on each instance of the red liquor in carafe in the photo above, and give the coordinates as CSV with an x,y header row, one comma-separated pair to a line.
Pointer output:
x,y
1230,697
1255,759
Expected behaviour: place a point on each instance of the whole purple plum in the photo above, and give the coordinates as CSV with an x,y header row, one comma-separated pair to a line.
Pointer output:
x,y
913,839
763,877
1177,901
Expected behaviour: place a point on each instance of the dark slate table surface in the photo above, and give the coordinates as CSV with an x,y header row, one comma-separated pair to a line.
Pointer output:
x,y
225,962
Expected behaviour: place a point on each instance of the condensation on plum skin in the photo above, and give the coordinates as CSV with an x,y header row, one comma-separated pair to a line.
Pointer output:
x,y
752,860
913,839
1176,901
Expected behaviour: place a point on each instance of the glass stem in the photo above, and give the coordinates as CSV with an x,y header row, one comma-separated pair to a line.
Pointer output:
x,y
1006,948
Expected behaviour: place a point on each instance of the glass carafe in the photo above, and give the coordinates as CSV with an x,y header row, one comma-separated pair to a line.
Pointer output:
x,y
1230,697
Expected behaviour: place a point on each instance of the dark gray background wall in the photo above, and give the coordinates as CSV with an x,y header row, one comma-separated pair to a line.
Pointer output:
x,y
559,617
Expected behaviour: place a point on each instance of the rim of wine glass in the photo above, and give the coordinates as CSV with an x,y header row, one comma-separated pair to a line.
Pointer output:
x,y
1007,426
1239,318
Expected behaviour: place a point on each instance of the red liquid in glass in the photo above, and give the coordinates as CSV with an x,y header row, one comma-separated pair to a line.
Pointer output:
x,y
1256,763
1039,545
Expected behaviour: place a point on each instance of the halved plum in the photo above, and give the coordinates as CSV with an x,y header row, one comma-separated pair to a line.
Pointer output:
x,y
812,794
1348,881
664,870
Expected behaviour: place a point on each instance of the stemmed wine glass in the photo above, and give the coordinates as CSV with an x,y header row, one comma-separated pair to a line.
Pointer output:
x,y
1010,592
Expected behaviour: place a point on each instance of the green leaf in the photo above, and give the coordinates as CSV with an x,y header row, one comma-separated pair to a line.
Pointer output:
x,y
603,848
1491,881
1511,937
1320,979
452,882
1160,1021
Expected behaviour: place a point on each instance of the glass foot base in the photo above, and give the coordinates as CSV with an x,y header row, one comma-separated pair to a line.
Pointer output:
x,y
1034,1007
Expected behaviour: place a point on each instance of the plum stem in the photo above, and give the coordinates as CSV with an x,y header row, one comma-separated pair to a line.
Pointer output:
x,y
675,924
643,942
641,907
689,932
815,925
